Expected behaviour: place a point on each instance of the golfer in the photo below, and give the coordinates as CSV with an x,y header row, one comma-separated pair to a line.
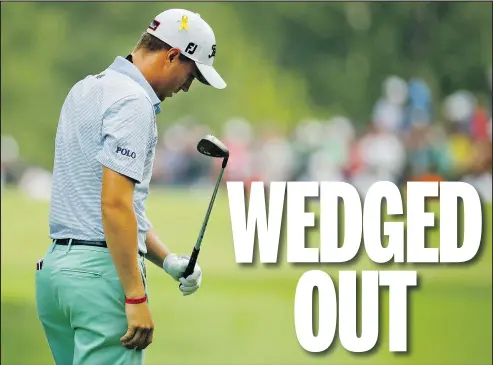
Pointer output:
x,y
91,292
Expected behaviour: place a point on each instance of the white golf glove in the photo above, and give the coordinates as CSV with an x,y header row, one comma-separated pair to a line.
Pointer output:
x,y
175,266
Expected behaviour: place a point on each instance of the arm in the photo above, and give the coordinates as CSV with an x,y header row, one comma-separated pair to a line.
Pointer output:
x,y
120,228
156,250
126,126
173,264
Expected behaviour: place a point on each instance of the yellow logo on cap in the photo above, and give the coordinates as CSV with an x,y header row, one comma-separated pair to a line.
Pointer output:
x,y
184,22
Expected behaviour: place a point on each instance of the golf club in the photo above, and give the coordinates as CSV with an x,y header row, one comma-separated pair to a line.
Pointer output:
x,y
212,147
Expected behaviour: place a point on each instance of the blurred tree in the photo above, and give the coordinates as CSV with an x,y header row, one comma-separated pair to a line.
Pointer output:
x,y
282,61
345,50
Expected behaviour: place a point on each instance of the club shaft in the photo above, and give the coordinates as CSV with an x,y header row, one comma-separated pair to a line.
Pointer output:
x,y
209,209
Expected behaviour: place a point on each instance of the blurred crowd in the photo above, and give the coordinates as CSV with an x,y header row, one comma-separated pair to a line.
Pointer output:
x,y
408,137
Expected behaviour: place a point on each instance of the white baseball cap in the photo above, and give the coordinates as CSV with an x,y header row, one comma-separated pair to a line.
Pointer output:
x,y
191,34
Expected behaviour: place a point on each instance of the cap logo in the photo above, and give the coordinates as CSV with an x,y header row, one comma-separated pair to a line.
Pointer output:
x,y
184,22
154,25
191,47
213,51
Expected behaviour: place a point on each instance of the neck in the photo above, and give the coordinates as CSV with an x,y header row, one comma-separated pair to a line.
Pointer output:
x,y
144,62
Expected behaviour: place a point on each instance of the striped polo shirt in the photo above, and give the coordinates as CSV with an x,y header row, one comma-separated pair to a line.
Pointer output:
x,y
108,119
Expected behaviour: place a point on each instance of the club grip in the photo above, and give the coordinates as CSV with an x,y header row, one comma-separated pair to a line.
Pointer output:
x,y
191,263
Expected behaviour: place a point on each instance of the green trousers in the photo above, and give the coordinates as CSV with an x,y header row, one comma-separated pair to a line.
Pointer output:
x,y
81,305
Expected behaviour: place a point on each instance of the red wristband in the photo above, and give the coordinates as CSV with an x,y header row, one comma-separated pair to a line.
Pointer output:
x,y
136,300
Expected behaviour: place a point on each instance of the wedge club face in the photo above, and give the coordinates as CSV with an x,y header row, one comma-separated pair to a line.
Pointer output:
x,y
212,147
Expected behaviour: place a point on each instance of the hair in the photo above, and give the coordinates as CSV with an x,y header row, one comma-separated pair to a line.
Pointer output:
x,y
150,43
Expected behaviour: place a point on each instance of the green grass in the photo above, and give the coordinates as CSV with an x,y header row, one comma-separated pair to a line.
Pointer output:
x,y
244,314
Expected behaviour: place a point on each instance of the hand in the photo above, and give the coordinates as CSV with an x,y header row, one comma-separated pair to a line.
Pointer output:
x,y
190,284
175,266
140,326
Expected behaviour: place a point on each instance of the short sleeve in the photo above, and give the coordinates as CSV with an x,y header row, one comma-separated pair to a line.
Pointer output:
x,y
126,131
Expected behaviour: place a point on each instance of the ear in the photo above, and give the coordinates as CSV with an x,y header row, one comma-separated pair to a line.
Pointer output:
x,y
173,54
162,58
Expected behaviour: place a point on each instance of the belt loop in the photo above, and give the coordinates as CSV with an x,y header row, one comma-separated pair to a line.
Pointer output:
x,y
69,245
53,245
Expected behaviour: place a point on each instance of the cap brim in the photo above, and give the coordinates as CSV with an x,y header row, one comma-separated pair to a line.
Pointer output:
x,y
210,76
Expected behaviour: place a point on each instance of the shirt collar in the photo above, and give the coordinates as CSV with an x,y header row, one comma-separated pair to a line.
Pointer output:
x,y
126,67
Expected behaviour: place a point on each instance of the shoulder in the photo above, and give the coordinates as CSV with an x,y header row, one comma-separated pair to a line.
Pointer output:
x,y
115,90
125,96
122,86
134,105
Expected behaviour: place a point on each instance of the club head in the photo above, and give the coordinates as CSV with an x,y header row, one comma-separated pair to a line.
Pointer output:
x,y
212,147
